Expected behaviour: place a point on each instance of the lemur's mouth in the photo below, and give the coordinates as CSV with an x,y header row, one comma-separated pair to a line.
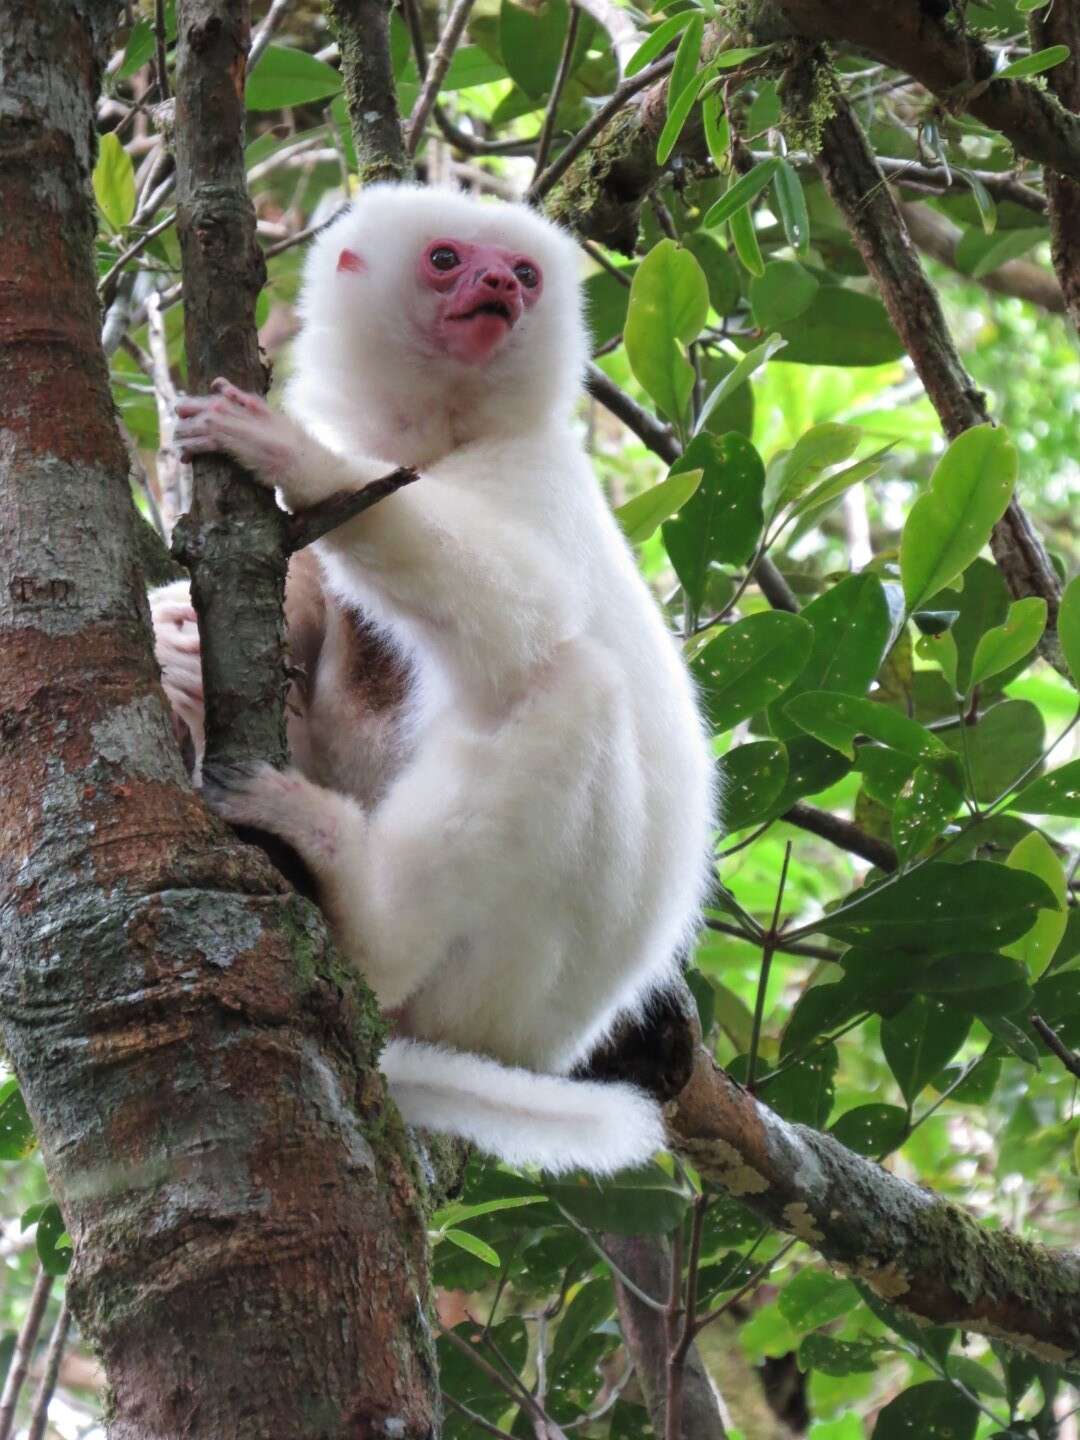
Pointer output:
x,y
487,307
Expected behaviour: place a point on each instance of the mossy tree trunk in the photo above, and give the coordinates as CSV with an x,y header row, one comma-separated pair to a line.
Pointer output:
x,y
248,1231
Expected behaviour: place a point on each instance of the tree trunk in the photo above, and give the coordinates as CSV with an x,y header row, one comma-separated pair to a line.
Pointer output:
x,y
246,1215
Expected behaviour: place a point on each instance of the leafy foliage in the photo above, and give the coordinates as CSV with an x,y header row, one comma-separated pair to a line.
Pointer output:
x,y
909,697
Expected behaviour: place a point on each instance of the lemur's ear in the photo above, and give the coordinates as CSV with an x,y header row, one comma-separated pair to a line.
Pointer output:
x,y
350,260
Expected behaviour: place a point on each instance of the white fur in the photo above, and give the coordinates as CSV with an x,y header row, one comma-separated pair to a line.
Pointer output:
x,y
538,861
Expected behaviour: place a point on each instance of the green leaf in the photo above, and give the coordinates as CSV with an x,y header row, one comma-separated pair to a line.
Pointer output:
x,y
851,634
722,519
978,254
741,192
934,1410
53,1242
925,805
640,517
737,55
591,1306
683,86
1005,644
817,450
720,269
813,505
1007,741
114,182
17,1137
984,201
982,983
791,203
754,776
717,129
781,293
804,1092
920,1041
838,1357
1035,856
284,77
871,1130
669,300
838,719
744,238
814,1297
140,47
456,1214
751,361
531,42
658,42
678,110
1055,794
948,526
1069,628
1034,64
634,1202
983,603
941,907
472,1246
751,664
839,327
812,768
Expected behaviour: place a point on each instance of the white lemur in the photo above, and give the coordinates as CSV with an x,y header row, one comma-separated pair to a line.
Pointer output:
x,y
516,853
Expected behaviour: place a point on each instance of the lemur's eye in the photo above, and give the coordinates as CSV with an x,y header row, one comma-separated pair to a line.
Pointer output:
x,y
444,258
527,274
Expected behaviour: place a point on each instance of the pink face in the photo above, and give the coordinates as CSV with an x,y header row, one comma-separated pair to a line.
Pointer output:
x,y
483,292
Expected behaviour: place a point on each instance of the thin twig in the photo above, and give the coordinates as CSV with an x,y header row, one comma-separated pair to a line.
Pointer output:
x,y
620,1274
1069,1058
810,952
436,73
768,950
475,1419
39,1415
676,1360
24,1348
672,1313
594,252
522,1398
547,129
842,833
307,526
751,1284
588,132
135,249
265,33
309,231
161,75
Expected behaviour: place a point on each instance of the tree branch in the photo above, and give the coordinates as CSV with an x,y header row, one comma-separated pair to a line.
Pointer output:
x,y
307,526
232,539
661,440
436,73
858,189
362,29
938,237
646,1259
842,833
908,1245
1059,24
942,55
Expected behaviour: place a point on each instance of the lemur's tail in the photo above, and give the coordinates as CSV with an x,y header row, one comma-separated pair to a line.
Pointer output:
x,y
523,1117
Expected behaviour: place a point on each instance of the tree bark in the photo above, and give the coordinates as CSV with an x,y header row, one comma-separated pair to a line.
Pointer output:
x,y
233,539
250,1255
646,1260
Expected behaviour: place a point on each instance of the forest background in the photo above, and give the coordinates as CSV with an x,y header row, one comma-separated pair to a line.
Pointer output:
x,y
824,246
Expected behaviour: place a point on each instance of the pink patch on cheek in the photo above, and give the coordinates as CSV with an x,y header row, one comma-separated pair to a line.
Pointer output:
x,y
351,262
